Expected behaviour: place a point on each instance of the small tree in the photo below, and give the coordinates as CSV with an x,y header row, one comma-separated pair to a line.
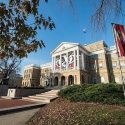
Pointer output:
x,y
7,67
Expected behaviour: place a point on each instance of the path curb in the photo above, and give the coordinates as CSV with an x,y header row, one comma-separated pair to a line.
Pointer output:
x,y
20,108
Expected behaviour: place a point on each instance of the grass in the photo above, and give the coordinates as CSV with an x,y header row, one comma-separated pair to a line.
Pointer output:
x,y
63,112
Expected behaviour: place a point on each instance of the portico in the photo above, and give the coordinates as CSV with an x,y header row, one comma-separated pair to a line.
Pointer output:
x,y
68,60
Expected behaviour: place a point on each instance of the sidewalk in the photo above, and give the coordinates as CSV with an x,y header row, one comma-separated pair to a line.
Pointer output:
x,y
18,118
29,102
7,103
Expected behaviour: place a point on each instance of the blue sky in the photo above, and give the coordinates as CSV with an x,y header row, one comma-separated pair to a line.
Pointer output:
x,y
69,28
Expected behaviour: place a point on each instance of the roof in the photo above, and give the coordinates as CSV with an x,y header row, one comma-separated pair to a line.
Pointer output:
x,y
71,43
100,41
31,66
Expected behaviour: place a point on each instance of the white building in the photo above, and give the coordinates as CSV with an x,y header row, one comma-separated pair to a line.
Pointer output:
x,y
73,63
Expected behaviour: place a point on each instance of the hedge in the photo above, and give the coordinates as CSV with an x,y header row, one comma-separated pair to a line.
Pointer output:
x,y
104,93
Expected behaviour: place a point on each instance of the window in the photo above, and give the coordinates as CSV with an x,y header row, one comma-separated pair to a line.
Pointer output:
x,y
97,47
100,56
114,64
117,80
94,80
93,57
100,65
122,63
93,66
102,80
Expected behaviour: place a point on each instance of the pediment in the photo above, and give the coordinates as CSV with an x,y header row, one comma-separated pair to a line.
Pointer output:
x,y
64,46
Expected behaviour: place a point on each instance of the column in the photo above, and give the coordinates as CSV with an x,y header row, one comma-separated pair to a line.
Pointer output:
x,y
83,65
54,63
60,62
75,79
67,61
53,79
77,59
74,60
66,80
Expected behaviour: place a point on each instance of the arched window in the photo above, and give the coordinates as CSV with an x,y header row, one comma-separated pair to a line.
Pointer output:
x,y
70,80
82,79
56,81
63,80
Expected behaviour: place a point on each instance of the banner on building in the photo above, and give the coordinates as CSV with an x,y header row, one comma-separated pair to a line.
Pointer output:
x,y
57,63
64,61
71,60
119,34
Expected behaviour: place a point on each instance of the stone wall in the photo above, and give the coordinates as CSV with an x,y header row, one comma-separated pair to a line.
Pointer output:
x,y
3,90
23,92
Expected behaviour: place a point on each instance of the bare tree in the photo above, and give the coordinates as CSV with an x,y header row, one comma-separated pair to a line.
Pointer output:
x,y
106,10
103,10
7,67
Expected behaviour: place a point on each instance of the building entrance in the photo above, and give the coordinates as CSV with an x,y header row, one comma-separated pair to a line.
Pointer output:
x,y
56,81
70,80
62,80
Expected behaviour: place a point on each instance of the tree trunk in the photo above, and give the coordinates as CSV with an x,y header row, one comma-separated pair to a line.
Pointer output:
x,y
5,80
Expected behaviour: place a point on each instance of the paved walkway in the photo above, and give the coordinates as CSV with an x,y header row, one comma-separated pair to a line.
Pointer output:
x,y
7,103
45,97
19,118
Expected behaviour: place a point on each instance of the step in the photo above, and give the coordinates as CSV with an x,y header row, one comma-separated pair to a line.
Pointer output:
x,y
48,96
52,91
37,97
36,100
49,93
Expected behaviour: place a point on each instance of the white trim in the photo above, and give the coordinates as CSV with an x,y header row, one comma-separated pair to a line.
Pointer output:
x,y
84,51
31,66
71,43
100,41
65,51
46,65
78,66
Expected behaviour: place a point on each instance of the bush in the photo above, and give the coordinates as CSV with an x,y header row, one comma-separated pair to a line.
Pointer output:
x,y
69,91
74,91
104,93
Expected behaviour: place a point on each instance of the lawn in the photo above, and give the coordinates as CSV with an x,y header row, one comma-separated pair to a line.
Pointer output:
x,y
64,112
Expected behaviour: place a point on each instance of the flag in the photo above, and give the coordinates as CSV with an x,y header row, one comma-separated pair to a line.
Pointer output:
x,y
119,34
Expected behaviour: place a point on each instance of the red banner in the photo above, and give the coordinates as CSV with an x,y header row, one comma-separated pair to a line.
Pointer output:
x,y
120,38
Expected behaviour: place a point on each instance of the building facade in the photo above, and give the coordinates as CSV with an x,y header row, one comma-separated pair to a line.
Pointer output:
x,y
31,76
73,63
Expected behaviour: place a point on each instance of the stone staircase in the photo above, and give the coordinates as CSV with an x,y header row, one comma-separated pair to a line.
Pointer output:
x,y
45,97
